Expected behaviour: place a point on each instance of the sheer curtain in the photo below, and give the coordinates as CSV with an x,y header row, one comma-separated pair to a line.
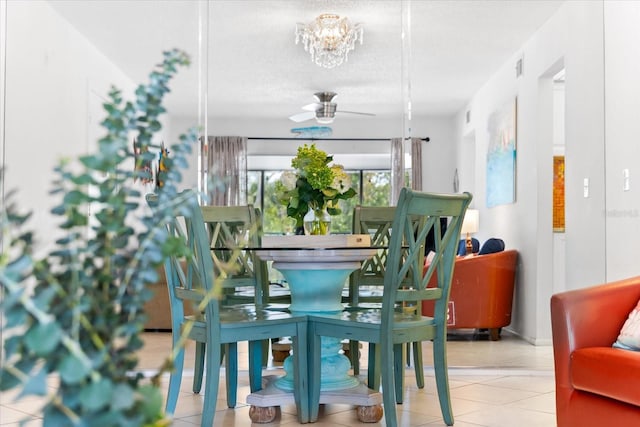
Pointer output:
x,y
416,164
226,170
397,169
397,166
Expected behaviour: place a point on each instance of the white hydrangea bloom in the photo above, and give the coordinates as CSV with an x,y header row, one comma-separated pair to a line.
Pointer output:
x,y
341,180
288,180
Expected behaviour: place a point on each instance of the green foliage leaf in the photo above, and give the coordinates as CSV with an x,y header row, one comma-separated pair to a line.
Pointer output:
x,y
15,316
151,400
53,417
123,397
43,338
12,297
8,380
93,162
11,346
72,369
97,394
35,385
75,197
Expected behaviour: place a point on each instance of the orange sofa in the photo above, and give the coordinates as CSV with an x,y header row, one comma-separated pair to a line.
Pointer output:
x,y
481,292
596,385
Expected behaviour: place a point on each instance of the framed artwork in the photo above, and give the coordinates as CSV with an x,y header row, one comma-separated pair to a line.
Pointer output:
x,y
558,194
501,155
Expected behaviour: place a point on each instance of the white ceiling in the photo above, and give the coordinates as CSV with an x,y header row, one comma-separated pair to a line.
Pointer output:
x,y
256,70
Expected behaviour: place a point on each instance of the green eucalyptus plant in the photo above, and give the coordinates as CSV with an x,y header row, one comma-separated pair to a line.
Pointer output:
x,y
76,315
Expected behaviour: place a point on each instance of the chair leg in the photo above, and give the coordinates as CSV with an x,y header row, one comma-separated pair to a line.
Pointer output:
x,y
175,378
212,367
354,355
301,368
256,352
388,384
408,354
418,364
231,374
198,369
442,376
313,361
266,345
373,370
494,334
398,371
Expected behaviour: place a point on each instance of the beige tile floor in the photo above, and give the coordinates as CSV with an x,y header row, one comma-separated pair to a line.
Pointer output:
x,y
493,384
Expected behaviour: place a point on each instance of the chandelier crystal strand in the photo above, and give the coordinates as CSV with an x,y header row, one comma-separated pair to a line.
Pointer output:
x,y
329,39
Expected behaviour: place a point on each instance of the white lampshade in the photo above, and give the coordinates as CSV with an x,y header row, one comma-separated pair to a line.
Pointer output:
x,y
471,223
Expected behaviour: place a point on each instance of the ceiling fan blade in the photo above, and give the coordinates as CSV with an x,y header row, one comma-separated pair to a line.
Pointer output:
x,y
312,107
301,117
355,112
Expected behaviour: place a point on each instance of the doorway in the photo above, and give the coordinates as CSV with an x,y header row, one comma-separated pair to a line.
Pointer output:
x,y
559,163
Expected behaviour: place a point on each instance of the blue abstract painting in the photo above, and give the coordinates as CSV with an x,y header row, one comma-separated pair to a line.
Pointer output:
x,y
501,156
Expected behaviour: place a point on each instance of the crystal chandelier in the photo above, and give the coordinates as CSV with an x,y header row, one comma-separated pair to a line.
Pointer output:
x,y
329,39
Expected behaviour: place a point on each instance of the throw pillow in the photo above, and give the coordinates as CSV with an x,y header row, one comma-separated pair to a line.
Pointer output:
x,y
462,246
491,246
629,337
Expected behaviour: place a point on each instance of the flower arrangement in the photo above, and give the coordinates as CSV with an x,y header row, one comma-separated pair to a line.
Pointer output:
x,y
314,185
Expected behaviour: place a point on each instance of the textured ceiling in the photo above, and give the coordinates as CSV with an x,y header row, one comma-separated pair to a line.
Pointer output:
x,y
256,70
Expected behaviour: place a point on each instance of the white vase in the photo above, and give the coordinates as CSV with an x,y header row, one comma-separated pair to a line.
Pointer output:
x,y
317,222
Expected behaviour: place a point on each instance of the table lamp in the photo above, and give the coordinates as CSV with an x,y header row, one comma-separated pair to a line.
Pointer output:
x,y
470,224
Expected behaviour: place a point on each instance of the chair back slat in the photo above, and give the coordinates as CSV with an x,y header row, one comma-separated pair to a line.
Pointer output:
x,y
243,276
416,215
189,294
369,279
190,274
420,294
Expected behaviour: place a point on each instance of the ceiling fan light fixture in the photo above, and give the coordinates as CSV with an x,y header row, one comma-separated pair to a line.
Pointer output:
x,y
329,39
324,120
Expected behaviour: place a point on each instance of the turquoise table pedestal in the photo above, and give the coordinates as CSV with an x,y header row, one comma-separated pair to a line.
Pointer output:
x,y
313,291
316,274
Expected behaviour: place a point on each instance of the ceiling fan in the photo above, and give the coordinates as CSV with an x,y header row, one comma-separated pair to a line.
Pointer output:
x,y
324,110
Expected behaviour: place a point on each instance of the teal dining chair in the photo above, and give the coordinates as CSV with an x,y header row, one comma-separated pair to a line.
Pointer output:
x,y
399,319
366,284
248,282
191,280
232,227
239,227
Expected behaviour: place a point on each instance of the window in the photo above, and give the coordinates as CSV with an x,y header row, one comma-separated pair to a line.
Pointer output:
x,y
372,186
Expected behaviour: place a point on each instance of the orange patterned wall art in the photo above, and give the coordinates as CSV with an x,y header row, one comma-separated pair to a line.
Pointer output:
x,y
558,194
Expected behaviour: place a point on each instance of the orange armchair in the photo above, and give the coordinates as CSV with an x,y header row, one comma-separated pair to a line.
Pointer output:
x,y
596,385
481,292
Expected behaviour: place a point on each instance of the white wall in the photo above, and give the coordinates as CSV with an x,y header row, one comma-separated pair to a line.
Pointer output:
x,y
3,57
573,36
439,154
622,107
54,83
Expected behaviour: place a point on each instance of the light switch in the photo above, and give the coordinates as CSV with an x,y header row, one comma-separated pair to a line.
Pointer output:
x,y
586,187
625,179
